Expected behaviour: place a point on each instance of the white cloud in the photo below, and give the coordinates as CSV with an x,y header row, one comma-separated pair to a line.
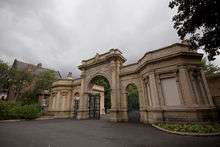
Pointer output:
x,y
60,34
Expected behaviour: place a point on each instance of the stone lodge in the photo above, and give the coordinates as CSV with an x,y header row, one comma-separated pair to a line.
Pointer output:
x,y
170,81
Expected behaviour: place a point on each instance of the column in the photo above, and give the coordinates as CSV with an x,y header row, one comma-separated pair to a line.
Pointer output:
x,y
153,90
155,113
102,103
143,103
209,97
83,108
115,93
186,87
124,106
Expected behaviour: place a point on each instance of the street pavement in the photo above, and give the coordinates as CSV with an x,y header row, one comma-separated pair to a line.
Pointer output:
x,y
93,133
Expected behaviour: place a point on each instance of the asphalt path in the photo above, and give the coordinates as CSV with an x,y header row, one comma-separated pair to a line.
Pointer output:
x,y
93,133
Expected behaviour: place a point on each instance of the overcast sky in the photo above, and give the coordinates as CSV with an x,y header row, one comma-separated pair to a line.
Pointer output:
x,y
61,33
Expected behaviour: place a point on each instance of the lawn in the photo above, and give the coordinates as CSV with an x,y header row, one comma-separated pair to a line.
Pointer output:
x,y
191,127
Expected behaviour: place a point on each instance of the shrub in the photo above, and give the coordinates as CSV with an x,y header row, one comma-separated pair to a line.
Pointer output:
x,y
12,110
30,111
7,110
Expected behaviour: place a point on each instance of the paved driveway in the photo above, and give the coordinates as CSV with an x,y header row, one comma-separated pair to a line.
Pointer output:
x,y
93,133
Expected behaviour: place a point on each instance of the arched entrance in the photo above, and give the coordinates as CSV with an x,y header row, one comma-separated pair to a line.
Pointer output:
x,y
133,103
107,65
96,85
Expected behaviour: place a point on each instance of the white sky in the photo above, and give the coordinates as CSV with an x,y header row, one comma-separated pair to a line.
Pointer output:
x,y
61,33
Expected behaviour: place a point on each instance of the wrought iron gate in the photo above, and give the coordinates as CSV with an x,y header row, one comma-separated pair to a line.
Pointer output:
x,y
133,109
76,107
94,106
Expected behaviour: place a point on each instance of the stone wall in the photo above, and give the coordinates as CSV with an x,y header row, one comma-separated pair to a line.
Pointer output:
x,y
170,82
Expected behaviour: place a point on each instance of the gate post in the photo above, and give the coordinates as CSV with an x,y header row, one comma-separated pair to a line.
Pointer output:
x,y
115,93
83,104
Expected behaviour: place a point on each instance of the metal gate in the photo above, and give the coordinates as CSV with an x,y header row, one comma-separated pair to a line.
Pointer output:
x,y
94,106
76,107
133,109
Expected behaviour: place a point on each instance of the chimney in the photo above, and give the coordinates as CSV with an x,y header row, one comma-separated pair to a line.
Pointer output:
x,y
70,75
39,65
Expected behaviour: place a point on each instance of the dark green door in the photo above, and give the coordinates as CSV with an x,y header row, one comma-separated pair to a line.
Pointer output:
x,y
133,109
94,106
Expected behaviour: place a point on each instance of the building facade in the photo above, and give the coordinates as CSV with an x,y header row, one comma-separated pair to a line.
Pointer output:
x,y
34,70
170,82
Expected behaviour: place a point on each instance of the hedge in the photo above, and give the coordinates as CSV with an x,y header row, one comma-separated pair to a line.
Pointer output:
x,y
13,110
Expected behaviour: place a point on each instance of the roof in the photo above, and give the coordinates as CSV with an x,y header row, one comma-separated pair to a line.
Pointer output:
x,y
34,69
213,76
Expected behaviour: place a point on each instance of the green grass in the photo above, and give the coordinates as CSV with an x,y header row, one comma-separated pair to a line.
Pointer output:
x,y
191,127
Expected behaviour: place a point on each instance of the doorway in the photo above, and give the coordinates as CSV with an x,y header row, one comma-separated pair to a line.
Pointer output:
x,y
94,106
133,103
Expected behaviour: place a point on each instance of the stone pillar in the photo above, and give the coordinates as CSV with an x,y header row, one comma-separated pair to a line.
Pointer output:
x,y
209,97
186,87
153,90
147,92
83,106
142,101
63,101
155,113
124,106
115,93
102,103
57,101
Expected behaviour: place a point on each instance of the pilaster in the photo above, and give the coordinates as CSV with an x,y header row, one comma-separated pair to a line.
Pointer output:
x,y
83,106
186,87
209,97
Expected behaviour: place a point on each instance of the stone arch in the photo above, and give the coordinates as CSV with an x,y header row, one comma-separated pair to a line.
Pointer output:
x,y
105,95
107,65
91,77
131,83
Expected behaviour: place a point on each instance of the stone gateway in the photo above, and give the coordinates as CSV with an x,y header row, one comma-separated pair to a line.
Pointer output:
x,y
170,82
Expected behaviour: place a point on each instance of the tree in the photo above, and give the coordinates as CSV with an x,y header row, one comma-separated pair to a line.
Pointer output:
x,y
19,81
4,70
42,82
199,22
209,67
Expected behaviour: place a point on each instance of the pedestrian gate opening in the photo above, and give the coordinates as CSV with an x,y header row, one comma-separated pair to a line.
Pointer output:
x,y
94,106
76,107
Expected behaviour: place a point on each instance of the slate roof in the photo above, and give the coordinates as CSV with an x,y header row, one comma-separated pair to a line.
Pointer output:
x,y
34,69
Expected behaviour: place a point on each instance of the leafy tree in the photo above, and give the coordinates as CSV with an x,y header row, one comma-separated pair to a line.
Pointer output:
x,y
209,67
25,85
19,80
42,82
4,70
199,22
